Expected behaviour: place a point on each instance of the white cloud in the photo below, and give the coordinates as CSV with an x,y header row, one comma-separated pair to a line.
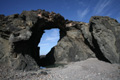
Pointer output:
x,y
83,13
101,6
43,44
53,36
55,33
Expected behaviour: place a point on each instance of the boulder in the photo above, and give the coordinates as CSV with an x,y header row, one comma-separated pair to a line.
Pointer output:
x,y
105,32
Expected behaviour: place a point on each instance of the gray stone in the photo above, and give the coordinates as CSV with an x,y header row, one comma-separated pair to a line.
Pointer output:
x,y
105,35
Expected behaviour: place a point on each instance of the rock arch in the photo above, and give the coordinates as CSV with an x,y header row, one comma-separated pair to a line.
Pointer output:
x,y
20,35
28,38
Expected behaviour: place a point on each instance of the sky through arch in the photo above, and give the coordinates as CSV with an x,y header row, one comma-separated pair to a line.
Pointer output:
x,y
49,39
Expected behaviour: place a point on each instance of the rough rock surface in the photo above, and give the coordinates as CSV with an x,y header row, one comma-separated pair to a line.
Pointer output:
x,y
21,33
105,32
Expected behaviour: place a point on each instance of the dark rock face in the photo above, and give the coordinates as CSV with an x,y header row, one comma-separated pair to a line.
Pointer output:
x,y
105,32
21,33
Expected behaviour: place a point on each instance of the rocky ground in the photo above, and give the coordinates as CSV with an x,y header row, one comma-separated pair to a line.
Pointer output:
x,y
90,69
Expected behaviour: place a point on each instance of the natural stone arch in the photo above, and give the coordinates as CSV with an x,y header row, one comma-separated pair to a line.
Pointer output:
x,y
25,41
20,35
29,47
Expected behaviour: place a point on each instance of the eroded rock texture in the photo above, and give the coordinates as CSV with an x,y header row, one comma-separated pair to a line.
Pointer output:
x,y
21,33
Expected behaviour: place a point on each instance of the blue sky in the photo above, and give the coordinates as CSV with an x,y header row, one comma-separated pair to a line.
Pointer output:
x,y
48,40
77,10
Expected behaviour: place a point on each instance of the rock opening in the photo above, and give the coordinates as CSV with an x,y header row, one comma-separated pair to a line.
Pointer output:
x,y
48,40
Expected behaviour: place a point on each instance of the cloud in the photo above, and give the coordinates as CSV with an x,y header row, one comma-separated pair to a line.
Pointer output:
x,y
54,36
51,38
82,13
43,44
101,6
55,33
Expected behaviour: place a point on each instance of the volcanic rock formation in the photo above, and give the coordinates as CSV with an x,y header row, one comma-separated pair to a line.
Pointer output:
x,y
21,33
